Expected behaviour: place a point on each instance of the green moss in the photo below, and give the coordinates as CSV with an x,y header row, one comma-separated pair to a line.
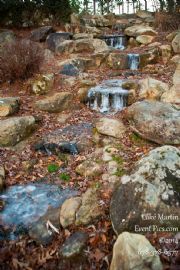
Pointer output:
x,y
53,168
117,159
120,172
136,138
65,177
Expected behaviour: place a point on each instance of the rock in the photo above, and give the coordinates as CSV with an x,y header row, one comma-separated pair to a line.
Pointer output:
x,y
55,39
92,30
2,178
165,52
150,57
130,85
68,211
147,200
144,39
89,209
89,169
75,19
56,103
175,59
155,121
57,148
40,234
136,30
6,36
79,134
96,21
110,127
172,96
90,45
28,165
9,106
66,46
73,246
132,251
143,14
132,43
117,61
41,33
14,130
176,76
171,36
176,43
152,89
42,84
82,36
69,70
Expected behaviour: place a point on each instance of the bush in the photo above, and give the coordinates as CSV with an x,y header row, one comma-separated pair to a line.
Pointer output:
x,y
166,21
19,60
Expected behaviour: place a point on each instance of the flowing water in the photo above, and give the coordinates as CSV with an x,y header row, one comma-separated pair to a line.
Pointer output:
x,y
108,97
116,41
133,61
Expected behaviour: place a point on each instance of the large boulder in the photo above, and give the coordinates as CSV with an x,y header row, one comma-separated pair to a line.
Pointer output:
x,y
176,43
9,106
155,121
15,129
147,200
117,61
90,45
56,103
149,57
41,33
55,39
110,127
133,251
136,30
152,89
145,39
173,95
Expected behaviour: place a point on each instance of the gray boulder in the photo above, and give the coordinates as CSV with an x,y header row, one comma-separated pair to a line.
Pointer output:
x,y
148,199
41,33
155,121
55,39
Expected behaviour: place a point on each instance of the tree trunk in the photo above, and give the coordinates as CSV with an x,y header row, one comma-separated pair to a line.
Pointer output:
x,y
94,6
145,1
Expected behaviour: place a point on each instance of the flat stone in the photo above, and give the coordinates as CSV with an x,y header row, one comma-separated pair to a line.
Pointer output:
x,y
110,127
56,103
89,168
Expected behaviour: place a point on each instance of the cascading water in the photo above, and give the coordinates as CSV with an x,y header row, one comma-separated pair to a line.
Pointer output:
x,y
116,41
133,61
108,97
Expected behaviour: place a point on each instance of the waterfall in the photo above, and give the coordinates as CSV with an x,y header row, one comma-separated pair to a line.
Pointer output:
x,y
116,41
133,61
108,97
